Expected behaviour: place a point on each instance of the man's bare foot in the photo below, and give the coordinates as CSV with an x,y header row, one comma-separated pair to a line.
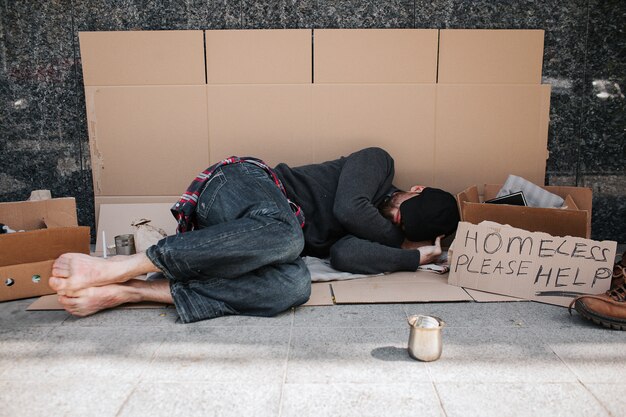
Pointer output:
x,y
76,271
90,300
93,299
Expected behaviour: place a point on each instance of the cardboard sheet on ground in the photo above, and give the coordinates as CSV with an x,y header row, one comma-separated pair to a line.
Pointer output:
x,y
336,287
531,265
420,287
321,295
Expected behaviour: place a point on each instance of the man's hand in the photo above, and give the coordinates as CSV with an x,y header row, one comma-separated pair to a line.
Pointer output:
x,y
429,254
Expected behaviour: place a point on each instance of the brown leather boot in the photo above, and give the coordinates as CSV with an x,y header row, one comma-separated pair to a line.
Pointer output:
x,y
608,309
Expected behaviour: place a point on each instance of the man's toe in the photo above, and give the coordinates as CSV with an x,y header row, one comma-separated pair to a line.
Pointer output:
x,y
56,284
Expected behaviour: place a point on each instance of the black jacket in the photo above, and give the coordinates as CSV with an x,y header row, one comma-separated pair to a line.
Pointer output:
x,y
340,199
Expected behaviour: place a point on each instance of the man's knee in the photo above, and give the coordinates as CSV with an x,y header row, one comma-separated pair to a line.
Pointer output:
x,y
292,244
295,288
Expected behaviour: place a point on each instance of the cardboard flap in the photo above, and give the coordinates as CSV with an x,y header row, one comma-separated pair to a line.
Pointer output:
x,y
41,245
490,191
582,196
30,215
252,56
160,57
60,219
569,203
469,194
490,56
364,55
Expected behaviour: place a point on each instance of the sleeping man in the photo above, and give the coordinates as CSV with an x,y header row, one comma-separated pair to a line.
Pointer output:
x,y
243,227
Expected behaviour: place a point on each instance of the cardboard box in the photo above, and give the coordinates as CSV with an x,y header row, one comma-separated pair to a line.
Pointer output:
x,y
573,221
488,56
26,258
531,265
375,55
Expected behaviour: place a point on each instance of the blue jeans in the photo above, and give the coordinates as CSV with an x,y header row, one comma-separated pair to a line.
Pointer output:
x,y
244,257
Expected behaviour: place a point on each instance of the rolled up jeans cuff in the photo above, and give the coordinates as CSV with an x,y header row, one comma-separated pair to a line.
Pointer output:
x,y
153,253
190,310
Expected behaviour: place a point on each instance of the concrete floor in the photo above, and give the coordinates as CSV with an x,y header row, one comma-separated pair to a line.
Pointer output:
x,y
499,359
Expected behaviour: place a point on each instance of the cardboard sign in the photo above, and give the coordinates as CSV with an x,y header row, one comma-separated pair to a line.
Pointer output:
x,y
536,266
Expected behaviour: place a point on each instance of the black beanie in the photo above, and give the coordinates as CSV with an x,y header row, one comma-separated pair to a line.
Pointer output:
x,y
431,213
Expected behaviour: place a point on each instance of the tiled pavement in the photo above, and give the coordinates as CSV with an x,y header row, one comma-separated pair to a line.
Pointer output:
x,y
500,359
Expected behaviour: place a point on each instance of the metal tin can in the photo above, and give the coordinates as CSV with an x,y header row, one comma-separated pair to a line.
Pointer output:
x,y
425,342
125,245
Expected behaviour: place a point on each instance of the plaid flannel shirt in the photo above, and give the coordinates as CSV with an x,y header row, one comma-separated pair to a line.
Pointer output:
x,y
184,210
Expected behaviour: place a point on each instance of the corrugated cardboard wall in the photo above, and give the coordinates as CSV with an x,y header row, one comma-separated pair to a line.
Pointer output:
x,y
453,107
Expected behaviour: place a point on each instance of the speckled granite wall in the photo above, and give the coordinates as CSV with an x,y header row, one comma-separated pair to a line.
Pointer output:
x,y
43,136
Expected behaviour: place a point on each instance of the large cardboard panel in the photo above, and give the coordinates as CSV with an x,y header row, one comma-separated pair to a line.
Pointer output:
x,y
174,57
535,266
31,215
398,118
259,56
117,219
486,132
375,55
270,122
147,140
488,56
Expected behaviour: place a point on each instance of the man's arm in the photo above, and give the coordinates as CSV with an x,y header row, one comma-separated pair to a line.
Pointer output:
x,y
366,175
360,256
